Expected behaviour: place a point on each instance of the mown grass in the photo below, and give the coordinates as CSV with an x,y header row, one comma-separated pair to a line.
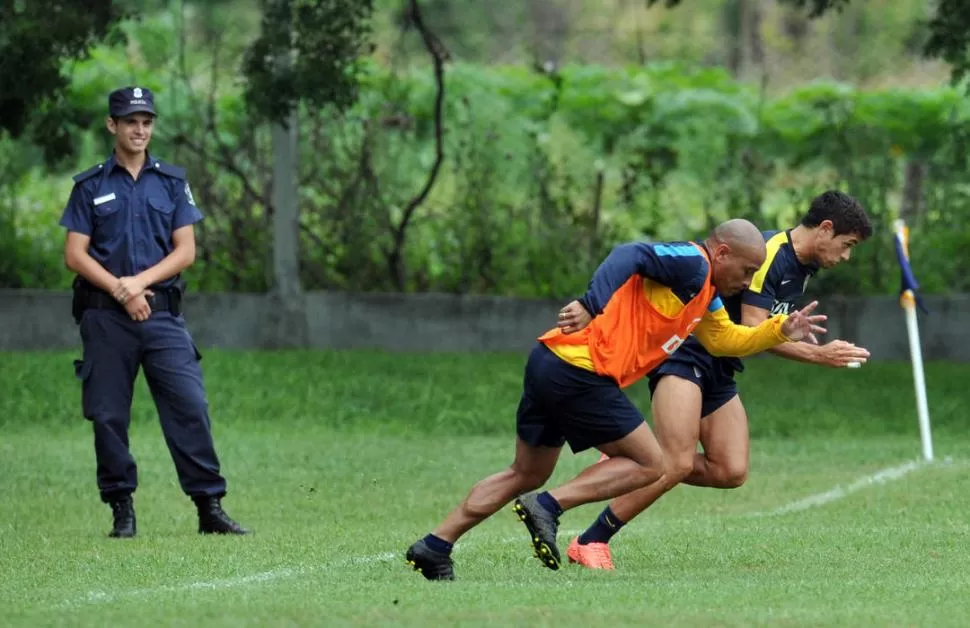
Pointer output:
x,y
340,460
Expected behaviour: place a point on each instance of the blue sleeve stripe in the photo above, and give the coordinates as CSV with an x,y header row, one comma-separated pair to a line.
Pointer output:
x,y
677,250
715,305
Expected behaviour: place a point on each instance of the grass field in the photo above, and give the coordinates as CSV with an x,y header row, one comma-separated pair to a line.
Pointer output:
x,y
339,461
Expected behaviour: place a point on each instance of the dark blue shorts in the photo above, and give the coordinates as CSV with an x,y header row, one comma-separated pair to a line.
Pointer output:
x,y
714,378
563,403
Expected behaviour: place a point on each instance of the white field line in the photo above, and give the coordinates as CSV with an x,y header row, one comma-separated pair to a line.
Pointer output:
x,y
812,501
820,499
94,597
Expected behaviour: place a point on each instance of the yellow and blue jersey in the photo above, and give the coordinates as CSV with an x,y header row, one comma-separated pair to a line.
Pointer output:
x,y
776,287
779,283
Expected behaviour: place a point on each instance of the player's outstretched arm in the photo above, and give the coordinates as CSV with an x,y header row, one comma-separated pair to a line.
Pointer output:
x,y
722,337
837,353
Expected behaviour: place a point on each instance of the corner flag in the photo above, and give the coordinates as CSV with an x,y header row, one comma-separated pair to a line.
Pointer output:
x,y
909,299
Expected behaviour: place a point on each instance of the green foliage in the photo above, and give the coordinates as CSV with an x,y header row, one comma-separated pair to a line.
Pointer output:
x,y
35,38
816,8
949,37
948,31
308,51
543,172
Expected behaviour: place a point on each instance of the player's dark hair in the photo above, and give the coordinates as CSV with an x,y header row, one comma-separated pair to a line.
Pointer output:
x,y
846,214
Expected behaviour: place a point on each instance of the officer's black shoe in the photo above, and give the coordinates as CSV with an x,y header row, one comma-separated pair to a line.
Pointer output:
x,y
124,519
213,519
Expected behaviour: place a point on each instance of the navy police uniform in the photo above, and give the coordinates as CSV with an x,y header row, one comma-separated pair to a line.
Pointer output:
x,y
776,287
130,222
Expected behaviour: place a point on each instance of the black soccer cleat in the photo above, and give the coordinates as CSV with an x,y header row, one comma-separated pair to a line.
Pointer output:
x,y
213,519
123,511
431,564
543,526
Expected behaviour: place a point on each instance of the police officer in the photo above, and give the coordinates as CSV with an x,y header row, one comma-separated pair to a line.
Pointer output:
x,y
130,235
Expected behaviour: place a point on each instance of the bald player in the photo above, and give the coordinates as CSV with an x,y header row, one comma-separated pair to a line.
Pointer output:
x,y
695,397
641,304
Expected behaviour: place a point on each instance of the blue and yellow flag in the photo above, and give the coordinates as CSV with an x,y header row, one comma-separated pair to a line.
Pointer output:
x,y
909,288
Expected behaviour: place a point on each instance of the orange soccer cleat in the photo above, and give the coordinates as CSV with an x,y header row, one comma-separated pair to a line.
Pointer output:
x,y
591,555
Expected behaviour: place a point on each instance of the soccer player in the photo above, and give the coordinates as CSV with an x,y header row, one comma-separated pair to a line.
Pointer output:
x,y
642,302
694,393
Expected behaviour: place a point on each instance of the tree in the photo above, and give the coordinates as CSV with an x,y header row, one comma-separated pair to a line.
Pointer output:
x,y
949,36
35,39
308,52
948,31
817,7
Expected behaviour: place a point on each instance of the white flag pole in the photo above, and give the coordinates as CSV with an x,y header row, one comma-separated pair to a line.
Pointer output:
x,y
908,301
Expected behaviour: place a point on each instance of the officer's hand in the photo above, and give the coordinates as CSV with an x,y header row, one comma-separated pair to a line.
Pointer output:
x,y
839,353
573,318
138,308
127,289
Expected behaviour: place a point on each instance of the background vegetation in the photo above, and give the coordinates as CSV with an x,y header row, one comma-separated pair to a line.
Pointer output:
x,y
552,131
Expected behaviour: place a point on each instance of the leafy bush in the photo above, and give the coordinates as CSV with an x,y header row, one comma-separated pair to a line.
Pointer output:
x,y
543,175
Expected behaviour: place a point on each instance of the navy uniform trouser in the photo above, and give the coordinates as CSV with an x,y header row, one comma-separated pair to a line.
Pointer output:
x,y
114,348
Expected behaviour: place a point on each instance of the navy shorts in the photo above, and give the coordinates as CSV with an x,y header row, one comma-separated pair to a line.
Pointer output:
x,y
714,378
563,403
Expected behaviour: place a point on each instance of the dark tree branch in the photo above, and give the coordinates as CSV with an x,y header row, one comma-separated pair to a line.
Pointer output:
x,y
439,55
226,163
320,277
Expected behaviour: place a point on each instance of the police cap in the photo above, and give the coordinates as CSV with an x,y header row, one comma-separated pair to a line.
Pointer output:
x,y
129,100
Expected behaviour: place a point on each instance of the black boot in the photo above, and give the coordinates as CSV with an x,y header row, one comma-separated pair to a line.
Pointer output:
x,y
124,518
213,519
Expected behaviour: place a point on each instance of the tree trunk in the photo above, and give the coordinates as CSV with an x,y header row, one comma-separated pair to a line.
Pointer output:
x,y
912,205
745,45
752,17
733,10
288,313
550,25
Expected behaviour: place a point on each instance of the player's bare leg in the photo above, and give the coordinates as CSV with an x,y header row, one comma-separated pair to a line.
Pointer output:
x,y
676,411
529,470
635,461
724,435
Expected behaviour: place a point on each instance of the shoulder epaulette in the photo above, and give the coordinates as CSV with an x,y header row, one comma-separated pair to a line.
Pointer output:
x,y
87,174
168,169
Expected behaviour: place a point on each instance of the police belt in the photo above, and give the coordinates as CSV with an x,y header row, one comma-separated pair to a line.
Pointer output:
x,y
88,297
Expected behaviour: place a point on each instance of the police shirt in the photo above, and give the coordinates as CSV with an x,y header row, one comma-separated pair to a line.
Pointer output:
x,y
130,221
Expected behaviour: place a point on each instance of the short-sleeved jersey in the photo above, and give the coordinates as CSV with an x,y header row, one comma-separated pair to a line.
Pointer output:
x,y
646,299
779,283
776,287
130,221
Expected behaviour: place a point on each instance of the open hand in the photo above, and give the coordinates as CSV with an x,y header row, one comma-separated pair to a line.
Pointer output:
x,y
803,324
128,288
138,308
573,318
840,353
